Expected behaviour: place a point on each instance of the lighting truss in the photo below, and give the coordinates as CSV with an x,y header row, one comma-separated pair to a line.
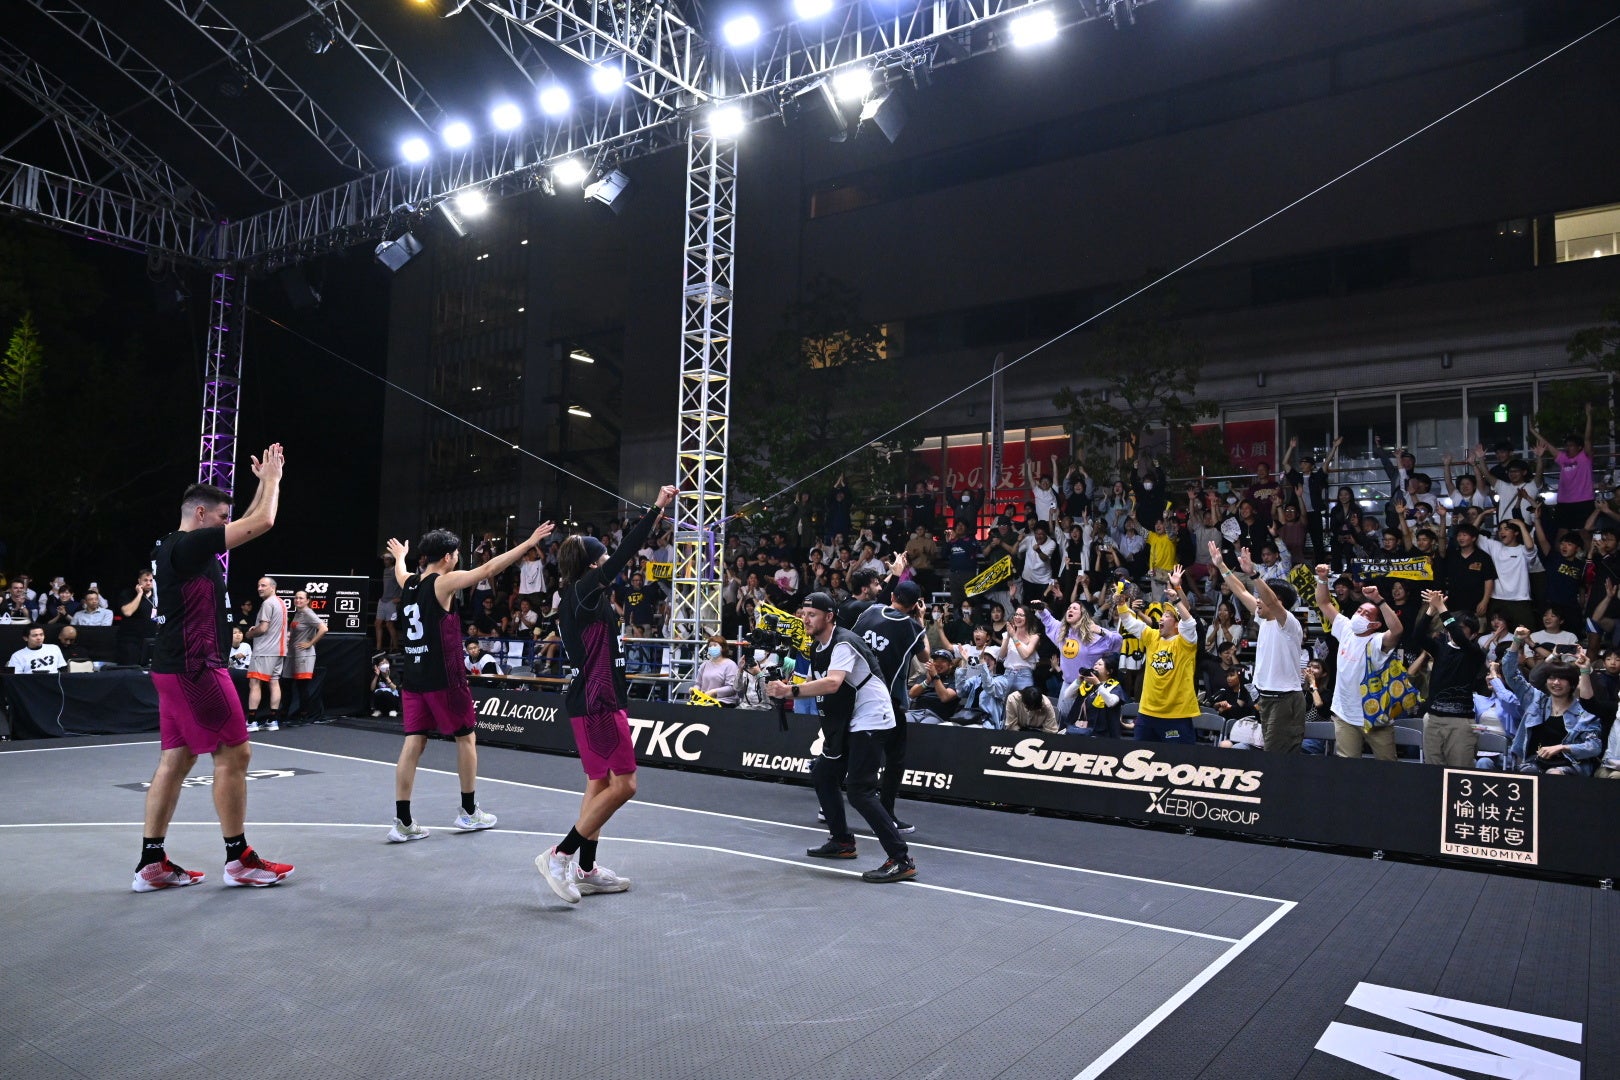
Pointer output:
x,y
72,17
703,438
71,205
370,47
85,129
257,65
222,382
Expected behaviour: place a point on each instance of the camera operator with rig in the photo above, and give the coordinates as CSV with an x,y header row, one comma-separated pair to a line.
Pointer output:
x,y
856,716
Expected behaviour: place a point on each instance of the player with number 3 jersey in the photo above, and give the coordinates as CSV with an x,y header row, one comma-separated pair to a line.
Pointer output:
x,y
433,679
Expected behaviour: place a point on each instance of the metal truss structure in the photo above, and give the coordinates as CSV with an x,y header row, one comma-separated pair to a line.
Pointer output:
x,y
673,75
250,61
222,381
703,438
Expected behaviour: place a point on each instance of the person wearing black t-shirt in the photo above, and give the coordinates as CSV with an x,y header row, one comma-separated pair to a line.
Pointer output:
x,y
1468,574
895,634
1458,673
199,711
133,625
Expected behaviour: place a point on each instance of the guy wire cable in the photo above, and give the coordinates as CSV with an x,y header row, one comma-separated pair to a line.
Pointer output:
x,y
1194,260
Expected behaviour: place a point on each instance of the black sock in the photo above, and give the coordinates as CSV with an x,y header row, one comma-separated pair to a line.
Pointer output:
x,y
468,802
587,855
234,847
151,851
402,810
571,843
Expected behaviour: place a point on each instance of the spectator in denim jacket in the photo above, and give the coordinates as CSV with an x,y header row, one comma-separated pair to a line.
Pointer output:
x,y
1538,747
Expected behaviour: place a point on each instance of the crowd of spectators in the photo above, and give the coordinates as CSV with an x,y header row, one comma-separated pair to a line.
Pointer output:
x,y
54,615
1051,646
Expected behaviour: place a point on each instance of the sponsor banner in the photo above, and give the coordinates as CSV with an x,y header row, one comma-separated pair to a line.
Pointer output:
x,y
1366,804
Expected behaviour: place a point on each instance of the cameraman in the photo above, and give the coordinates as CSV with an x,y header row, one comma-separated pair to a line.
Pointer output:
x,y
856,715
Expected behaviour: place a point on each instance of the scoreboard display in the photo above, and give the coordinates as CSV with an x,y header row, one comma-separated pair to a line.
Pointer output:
x,y
339,600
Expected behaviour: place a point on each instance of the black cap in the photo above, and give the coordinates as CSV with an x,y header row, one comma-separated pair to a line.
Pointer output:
x,y
820,601
943,654
908,592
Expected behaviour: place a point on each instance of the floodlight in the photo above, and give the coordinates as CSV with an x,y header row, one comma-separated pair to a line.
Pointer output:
x,y
607,78
506,116
570,172
1033,28
554,100
396,253
582,356
815,110
609,189
726,122
811,9
740,30
471,203
579,411
852,84
887,112
415,150
456,134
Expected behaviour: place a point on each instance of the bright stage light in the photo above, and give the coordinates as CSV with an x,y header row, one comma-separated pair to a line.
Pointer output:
x,y
726,122
607,78
554,100
456,134
1033,28
569,172
852,84
811,9
471,203
506,116
415,150
740,30
579,411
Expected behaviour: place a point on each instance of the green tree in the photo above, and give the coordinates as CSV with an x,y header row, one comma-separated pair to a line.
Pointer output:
x,y
21,371
1150,368
818,390
1599,346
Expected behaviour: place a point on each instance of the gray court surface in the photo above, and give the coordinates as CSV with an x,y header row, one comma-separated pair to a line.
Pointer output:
x,y
1028,947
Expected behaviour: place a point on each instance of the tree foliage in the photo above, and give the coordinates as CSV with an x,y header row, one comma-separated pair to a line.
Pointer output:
x,y
821,388
21,370
1599,346
1148,368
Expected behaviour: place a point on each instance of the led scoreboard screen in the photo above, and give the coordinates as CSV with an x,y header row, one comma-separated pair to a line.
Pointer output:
x,y
340,601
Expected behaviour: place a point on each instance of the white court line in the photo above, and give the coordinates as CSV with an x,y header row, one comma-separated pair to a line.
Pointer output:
x,y
791,825
87,746
1153,1019
665,843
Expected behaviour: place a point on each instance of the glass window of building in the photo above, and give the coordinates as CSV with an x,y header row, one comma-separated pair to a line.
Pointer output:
x,y
1587,234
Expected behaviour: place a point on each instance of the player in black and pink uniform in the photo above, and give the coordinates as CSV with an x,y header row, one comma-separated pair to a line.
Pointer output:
x,y
597,700
433,678
198,710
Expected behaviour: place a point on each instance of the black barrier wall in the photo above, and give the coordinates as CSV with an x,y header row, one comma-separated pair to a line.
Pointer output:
x,y
1554,824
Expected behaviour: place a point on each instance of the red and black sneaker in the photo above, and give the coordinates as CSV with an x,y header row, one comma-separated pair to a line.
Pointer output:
x,y
164,875
256,872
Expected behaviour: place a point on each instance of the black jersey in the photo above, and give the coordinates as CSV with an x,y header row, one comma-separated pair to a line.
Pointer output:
x,y
432,638
589,629
193,615
893,637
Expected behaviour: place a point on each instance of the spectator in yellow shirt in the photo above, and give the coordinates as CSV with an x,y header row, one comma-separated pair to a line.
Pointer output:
x,y
1170,653
1161,555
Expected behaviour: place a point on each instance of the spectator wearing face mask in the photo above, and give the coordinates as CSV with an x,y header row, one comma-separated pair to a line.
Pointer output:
x,y
961,558
717,675
1151,489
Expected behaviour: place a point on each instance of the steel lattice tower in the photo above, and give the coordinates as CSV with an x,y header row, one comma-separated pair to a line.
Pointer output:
x,y
705,390
222,381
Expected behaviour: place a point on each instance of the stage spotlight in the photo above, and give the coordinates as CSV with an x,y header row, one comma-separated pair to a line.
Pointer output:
x,y
415,150
506,116
1034,28
396,253
582,356
888,112
579,411
456,134
471,203
320,38
811,9
726,122
607,77
554,100
852,84
813,109
569,172
609,190
740,30
452,218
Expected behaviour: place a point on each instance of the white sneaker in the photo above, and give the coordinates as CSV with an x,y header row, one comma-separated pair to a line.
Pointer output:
x,y
393,712
599,880
274,725
400,834
253,725
559,874
478,819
